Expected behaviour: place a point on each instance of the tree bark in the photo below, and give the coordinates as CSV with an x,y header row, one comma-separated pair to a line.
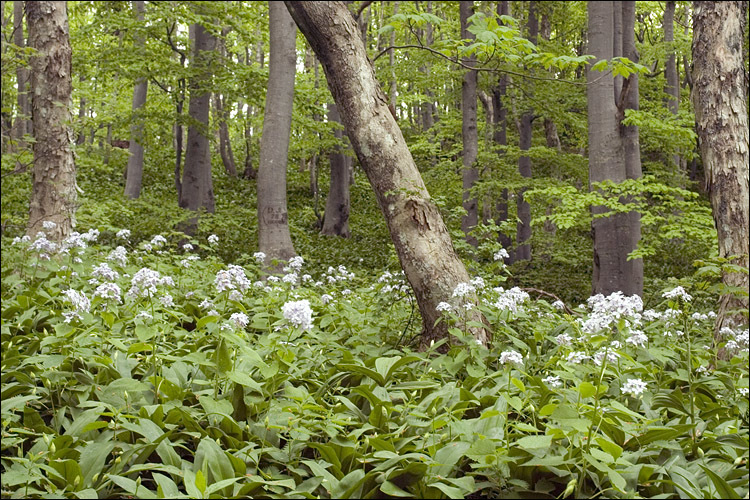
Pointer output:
x,y
336,218
21,125
615,236
523,229
197,186
469,131
225,144
54,195
501,139
274,238
720,104
419,235
135,160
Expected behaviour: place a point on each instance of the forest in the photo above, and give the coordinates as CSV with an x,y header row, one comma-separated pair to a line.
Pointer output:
x,y
370,249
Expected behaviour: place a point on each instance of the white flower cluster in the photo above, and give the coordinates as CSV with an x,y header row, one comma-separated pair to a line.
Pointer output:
x,y
260,257
158,241
478,283
239,320
608,310
108,291
213,239
510,357
559,305
340,273
145,283
564,339
79,301
298,313
501,254
43,246
119,255
637,338
49,225
677,293
187,260
296,262
600,354
123,234
443,306
463,289
634,387
510,299
232,278
553,381
577,357
325,298
104,272
167,300
394,283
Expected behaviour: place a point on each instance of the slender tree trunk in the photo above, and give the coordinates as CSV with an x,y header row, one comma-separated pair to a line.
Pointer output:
x,y
197,186
20,127
274,238
609,144
672,89
53,196
336,218
393,93
135,160
469,132
501,139
419,235
225,145
523,229
718,95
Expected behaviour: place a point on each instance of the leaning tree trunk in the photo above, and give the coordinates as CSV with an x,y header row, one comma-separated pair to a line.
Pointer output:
x,y
422,241
609,144
53,196
135,160
718,96
197,186
274,238
336,216
469,132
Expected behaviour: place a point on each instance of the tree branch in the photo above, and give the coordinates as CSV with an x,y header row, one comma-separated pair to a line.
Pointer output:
x,y
362,7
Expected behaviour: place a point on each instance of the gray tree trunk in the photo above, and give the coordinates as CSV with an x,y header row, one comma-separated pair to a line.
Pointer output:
x,y
615,236
419,235
523,229
672,89
53,196
22,121
135,161
469,131
225,145
336,218
718,96
197,185
500,136
274,238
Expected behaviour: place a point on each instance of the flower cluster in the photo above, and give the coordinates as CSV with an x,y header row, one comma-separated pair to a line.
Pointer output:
x,y
108,291
510,299
119,255
608,310
145,283
463,289
510,357
80,302
298,313
443,306
232,278
260,257
105,272
634,387
553,381
677,293
239,320
501,254
213,239
123,234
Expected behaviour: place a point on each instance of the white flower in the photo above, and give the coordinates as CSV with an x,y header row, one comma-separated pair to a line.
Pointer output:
x,y
744,391
296,263
147,247
167,300
158,241
478,282
232,278
346,291
105,272
637,338
273,279
325,298
290,278
510,299
501,254
144,315
606,311
510,357
552,381
187,247
443,306
206,304
463,289
71,315
145,283
78,299
240,320
298,313
108,291
677,293
577,357
260,257
212,312
235,295
213,239
119,255
43,245
563,339
91,235
49,225
634,387
559,305
123,233
599,356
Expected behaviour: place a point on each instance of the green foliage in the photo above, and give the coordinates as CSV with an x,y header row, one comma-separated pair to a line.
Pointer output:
x,y
150,397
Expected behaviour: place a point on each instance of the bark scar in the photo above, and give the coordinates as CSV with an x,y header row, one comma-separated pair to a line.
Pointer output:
x,y
419,215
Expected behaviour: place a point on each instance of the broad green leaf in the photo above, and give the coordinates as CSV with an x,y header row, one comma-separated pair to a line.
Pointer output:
x,y
533,442
723,488
586,389
391,489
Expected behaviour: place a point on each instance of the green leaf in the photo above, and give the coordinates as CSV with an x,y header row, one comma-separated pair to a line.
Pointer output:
x,y
166,488
448,457
586,389
609,447
93,457
200,482
722,487
533,442
391,489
